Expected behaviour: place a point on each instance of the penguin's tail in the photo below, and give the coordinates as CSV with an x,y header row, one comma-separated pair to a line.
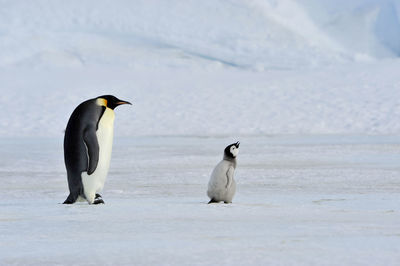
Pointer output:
x,y
71,199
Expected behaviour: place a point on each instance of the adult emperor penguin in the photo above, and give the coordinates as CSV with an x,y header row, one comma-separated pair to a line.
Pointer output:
x,y
87,147
222,185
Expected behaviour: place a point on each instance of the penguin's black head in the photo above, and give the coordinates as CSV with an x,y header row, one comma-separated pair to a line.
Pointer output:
x,y
232,150
110,101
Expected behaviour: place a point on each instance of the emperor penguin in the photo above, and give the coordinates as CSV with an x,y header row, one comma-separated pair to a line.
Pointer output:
x,y
87,147
222,185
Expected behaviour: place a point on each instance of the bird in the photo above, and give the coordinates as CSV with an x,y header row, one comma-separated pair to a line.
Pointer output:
x,y
87,148
222,185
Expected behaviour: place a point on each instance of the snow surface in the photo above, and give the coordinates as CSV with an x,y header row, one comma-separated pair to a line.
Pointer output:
x,y
301,200
311,88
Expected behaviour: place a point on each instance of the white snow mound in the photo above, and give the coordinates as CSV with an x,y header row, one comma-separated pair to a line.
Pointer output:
x,y
252,34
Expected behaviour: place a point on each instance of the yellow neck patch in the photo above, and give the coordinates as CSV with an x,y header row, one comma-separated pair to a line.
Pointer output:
x,y
101,102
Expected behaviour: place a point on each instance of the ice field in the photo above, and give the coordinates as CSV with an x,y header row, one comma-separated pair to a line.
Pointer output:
x,y
311,89
301,200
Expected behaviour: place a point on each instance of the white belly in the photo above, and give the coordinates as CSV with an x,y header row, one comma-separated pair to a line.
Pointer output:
x,y
217,186
94,183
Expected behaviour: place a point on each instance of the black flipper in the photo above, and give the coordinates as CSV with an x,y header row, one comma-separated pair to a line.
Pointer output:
x,y
213,201
92,145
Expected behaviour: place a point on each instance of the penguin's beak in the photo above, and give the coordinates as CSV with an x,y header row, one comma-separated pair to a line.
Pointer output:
x,y
123,102
237,144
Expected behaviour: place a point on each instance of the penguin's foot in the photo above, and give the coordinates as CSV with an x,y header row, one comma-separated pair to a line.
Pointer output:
x,y
98,199
212,201
227,202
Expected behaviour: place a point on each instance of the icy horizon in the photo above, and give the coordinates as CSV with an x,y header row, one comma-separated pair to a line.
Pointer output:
x,y
203,68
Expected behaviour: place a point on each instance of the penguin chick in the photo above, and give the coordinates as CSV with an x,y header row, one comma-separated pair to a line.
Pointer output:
x,y
222,185
87,147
